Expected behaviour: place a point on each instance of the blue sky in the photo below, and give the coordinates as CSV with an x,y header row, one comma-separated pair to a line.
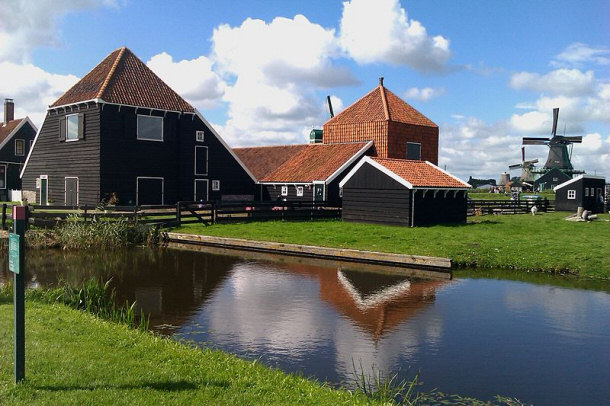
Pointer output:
x,y
487,72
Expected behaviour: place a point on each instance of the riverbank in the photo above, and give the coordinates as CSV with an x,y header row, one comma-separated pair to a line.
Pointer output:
x,y
545,242
75,358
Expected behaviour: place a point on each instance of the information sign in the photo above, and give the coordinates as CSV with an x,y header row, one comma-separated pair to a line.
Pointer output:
x,y
13,252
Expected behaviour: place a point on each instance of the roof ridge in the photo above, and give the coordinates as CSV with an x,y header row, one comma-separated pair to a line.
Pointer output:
x,y
384,102
111,73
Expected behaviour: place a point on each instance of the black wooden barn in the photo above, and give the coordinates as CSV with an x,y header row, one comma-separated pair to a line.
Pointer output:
x,y
402,192
121,131
16,137
306,172
551,179
586,191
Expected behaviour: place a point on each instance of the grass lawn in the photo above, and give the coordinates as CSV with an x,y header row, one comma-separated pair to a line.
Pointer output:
x,y
77,359
545,242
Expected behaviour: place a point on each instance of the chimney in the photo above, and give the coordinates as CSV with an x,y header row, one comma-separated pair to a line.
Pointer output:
x,y
381,81
9,110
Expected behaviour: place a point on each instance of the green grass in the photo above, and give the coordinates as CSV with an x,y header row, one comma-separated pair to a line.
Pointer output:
x,y
75,358
545,242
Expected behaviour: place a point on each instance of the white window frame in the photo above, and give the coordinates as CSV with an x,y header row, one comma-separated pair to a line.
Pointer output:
x,y
45,177
207,190
215,185
138,128
207,165
22,147
66,189
200,136
5,169
571,194
150,177
586,192
284,190
300,191
68,139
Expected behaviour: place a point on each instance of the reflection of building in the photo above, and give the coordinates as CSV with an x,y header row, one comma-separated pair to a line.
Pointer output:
x,y
376,302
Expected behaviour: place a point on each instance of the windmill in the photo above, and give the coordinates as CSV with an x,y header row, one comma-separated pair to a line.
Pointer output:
x,y
559,157
526,167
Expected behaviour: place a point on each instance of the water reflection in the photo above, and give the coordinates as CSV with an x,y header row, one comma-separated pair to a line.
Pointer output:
x,y
541,343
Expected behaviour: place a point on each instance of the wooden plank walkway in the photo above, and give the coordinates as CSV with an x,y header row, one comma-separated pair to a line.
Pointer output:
x,y
420,265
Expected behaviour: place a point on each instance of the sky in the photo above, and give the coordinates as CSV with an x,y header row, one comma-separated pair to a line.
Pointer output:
x,y
486,72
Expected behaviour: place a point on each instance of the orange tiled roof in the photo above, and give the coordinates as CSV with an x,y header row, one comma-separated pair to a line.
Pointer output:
x,y
380,104
420,173
5,130
314,162
122,78
261,161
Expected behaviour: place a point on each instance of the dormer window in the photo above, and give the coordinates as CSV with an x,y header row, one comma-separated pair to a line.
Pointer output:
x,y
150,128
414,151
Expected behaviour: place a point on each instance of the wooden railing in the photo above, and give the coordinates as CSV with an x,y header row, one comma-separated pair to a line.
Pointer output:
x,y
479,206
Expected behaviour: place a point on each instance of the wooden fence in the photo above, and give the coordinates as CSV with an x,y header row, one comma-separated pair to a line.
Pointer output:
x,y
181,213
478,206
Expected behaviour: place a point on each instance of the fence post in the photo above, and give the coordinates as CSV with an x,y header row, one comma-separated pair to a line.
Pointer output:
x,y
178,214
4,216
85,208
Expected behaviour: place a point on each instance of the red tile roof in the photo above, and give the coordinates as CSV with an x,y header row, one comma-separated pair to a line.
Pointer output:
x,y
380,104
122,78
5,130
420,173
297,163
261,161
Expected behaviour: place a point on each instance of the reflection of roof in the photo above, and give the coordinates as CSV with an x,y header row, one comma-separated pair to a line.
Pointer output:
x,y
380,104
300,163
122,78
6,130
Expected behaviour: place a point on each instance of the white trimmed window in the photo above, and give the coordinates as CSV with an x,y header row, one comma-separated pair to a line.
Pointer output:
x,y
216,185
150,128
586,192
2,176
199,136
19,147
72,127
571,194
299,191
284,190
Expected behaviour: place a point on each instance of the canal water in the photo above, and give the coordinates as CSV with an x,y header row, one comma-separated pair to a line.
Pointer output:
x,y
537,340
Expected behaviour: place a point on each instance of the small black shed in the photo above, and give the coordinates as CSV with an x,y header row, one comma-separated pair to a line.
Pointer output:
x,y
402,192
551,179
586,191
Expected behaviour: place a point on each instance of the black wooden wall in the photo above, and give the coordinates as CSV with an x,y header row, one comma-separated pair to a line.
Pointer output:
x,y
439,208
274,192
371,196
593,203
59,159
14,163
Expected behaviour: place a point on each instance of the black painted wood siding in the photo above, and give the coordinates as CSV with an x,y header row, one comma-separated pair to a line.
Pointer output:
x,y
274,193
593,203
59,159
371,196
439,208
14,163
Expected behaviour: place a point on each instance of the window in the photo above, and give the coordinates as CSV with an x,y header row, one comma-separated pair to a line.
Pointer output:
x,y
299,190
555,179
150,128
199,136
599,193
201,160
72,127
216,185
586,192
284,190
2,176
19,147
414,151
571,194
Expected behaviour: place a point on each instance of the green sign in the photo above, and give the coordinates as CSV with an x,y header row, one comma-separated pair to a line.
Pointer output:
x,y
13,252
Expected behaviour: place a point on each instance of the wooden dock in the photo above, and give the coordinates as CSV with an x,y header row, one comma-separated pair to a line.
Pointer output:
x,y
412,265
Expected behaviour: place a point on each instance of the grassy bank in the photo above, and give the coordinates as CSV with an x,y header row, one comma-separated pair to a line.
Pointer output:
x,y
75,358
540,243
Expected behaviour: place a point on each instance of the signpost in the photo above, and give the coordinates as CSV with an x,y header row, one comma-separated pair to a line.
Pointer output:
x,y
16,259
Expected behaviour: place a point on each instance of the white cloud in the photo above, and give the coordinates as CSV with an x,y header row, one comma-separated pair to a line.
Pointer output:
x,y
32,88
26,24
423,94
567,82
193,79
579,54
273,70
379,31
